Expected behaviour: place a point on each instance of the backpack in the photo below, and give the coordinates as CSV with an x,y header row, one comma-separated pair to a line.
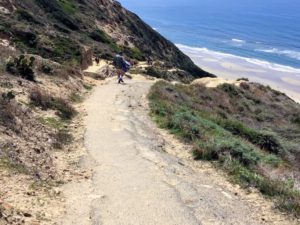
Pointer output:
x,y
118,62
127,65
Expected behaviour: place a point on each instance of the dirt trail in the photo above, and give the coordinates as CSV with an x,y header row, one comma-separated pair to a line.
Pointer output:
x,y
96,67
143,176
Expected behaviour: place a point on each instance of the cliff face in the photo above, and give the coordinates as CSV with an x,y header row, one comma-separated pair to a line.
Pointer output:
x,y
61,29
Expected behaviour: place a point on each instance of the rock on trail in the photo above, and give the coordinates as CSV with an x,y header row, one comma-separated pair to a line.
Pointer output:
x,y
142,176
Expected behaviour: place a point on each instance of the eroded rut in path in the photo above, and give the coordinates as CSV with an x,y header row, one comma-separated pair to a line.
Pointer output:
x,y
142,176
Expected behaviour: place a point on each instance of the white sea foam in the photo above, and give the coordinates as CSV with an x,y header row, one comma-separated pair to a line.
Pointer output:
x,y
204,52
288,53
273,66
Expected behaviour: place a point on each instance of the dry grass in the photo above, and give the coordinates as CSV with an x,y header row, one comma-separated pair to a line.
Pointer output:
x,y
62,138
46,100
9,109
5,54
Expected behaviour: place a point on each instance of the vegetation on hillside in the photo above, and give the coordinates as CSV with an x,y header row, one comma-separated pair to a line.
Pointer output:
x,y
25,133
250,131
61,30
22,66
46,101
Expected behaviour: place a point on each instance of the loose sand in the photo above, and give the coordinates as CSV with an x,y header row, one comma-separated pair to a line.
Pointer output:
x,y
215,82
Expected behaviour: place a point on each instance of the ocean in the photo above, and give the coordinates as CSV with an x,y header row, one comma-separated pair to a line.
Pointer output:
x,y
232,37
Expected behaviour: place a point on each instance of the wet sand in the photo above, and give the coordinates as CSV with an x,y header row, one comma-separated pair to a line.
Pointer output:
x,y
281,78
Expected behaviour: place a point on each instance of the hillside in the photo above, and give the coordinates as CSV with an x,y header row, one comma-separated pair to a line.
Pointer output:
x,y
83,157
66,31
249,130
44,48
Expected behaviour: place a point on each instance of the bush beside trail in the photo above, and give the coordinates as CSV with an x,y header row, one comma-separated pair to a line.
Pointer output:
x,y
241,129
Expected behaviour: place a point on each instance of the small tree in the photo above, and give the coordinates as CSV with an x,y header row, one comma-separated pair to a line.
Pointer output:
x,y
22,66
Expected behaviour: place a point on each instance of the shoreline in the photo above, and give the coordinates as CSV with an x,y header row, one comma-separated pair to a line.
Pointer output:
x,y
282,78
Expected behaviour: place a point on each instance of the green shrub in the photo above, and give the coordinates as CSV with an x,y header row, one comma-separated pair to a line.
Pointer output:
x,y
186,124
64,49
230,89
289,204
137,71
220,148
156,72
61,28
22,66
107,55
76,98
237,148
296,119
61,10
25,15
211,141
100,36
265,140
7,163
8,96
68,6
287,198
62,137
25,39
268,141
273,160
242,79
88,87
134,53
52,122
65,110
47,69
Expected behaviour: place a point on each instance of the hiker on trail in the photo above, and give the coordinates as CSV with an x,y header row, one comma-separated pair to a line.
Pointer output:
x,y
97,60
122,66
149,61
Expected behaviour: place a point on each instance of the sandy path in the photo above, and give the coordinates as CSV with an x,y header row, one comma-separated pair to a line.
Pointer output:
x,y
142,176
95,68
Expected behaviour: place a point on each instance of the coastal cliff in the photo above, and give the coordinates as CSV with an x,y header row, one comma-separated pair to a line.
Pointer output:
x,y
47,72
60,30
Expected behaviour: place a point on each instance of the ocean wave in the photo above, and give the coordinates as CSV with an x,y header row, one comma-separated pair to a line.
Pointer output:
x,y
199,52
288,53
238,40
273,66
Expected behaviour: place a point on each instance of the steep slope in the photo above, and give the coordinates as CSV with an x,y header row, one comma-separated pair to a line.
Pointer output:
x,y
62,30
249,130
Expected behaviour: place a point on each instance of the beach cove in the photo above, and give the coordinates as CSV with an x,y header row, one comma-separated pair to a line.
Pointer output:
x,y
282,78
259,40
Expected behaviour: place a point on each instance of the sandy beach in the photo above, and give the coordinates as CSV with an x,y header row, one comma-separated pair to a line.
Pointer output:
x,y
283,78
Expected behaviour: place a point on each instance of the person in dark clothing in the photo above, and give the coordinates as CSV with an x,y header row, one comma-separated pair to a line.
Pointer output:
x,y
97,60
120,78
149,61
121,65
